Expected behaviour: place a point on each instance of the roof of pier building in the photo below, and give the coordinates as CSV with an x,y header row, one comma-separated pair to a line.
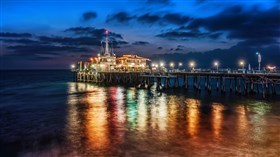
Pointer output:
x,y
124,57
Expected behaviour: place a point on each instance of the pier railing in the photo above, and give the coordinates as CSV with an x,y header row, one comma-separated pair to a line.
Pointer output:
x,y
240,83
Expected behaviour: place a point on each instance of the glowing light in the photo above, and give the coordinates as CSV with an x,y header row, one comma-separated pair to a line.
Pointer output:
x,y
161,64
216,63
271,67
171,64
72,66
180,64
192,64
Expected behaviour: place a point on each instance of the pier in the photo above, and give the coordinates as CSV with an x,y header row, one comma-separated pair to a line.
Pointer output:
x,y
238,83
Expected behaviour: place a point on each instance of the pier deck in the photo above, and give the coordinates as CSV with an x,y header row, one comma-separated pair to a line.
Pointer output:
x,y
240,83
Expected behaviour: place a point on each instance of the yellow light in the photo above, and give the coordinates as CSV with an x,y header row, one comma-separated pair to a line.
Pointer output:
x,y
161,64
192,64
171,64
271,67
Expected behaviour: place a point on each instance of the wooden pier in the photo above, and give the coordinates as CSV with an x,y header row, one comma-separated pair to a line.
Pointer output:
x,y
239,83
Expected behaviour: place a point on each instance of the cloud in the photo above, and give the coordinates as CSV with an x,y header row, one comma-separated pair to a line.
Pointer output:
x,y
71,41
175,18
119,17
20,41
44,49
148,19
215,35
15,35
92,32
140,43
180,35
242,24
253,26
87,41
88,16
160,48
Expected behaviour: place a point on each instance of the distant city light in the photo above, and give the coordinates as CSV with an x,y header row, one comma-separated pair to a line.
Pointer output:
x,y
192,64
72,66
180,64
171,64
241,63
161,64
271,68
216,64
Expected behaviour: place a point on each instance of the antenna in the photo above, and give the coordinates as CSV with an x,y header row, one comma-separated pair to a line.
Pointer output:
x,y
107,44
101,47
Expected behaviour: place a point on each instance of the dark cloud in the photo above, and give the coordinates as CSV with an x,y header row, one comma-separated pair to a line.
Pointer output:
x,y
120,17
20,41
215,35
140,43
71,41
88,16
92,32
88,41
15,35
250,25
44,49
179,49
175,18
148,19
160,48
239,23
180,35
257,42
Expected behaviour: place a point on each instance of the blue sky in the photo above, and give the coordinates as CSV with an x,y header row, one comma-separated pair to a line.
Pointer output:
x,y
147,27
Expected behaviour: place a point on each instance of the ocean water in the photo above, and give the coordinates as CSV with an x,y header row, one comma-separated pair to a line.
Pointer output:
x,y
43,113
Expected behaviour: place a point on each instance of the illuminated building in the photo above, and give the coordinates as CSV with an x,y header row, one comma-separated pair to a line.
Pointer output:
x,y
107,61
132,63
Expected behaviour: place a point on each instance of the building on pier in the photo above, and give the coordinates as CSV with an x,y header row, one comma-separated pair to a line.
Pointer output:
x,y
132,63
107,60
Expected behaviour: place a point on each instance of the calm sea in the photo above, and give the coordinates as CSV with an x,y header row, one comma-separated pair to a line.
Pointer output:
x,y
44,113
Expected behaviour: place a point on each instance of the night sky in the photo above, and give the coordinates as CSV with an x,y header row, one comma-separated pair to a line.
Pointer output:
x,y
54,34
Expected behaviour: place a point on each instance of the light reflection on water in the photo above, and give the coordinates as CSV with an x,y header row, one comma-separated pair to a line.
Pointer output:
x,y
118,121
